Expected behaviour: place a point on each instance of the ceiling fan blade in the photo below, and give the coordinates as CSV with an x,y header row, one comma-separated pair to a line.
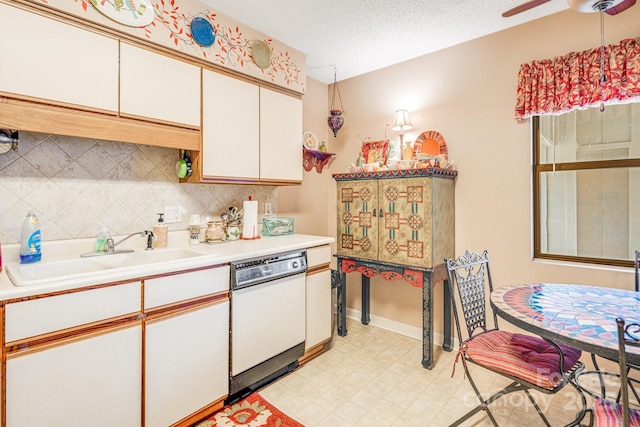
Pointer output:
x,y
526,6
626,4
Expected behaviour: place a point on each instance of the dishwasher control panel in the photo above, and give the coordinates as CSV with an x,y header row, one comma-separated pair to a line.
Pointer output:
x,y
259,270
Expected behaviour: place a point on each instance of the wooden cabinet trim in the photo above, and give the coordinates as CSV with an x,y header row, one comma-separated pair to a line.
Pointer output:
x,y
45,117
201,414
182,307
58,338
318,269
103,285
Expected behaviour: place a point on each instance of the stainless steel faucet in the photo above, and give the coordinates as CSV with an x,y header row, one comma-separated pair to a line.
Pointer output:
x,y
111,246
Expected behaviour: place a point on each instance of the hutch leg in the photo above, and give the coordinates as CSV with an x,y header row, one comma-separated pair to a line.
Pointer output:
x,y
446,300
427,321
366,299
341,297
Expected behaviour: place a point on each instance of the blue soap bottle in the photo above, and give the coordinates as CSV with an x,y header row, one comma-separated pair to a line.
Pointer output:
x,y
30,239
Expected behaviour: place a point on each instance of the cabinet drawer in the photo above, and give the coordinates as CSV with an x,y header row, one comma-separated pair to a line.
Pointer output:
x,y
318,255
40,316
179,287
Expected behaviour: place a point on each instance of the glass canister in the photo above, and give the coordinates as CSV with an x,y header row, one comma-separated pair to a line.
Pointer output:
x,y
194,230
233,232
215,231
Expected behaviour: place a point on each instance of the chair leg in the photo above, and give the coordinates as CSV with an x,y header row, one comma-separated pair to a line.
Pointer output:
x,y
484,405
600,378
632,388
535,405
603,387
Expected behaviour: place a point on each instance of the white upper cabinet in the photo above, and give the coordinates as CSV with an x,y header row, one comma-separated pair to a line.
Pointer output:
x,y
230,127
158,87
47,59
280,136
249,133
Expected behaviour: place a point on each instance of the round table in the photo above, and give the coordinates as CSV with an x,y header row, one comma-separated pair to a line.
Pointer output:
x,y
577,315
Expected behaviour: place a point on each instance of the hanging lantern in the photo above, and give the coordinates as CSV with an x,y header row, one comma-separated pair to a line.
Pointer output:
x,y
335,119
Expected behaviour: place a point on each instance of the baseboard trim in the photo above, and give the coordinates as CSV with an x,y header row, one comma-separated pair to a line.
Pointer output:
x,y
397,327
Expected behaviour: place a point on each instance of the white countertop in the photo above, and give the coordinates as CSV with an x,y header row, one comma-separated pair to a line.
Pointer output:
x,y
212,254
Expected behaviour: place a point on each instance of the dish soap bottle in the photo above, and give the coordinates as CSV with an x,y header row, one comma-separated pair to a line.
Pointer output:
x,y
160,233
30,239
101,242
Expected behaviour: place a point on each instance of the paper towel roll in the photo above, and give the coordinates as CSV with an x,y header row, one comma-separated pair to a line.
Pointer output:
x,y
250,219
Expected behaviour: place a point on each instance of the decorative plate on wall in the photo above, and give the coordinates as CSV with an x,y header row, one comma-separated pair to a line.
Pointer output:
x,y
202,31
138,14
310,140
261,54
430,142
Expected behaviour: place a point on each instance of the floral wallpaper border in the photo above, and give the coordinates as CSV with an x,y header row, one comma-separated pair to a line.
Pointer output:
x,y
171,28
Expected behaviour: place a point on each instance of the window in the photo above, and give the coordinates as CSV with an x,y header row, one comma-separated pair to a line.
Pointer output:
x,y
586,179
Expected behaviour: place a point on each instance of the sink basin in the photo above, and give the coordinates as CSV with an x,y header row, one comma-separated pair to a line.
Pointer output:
x,y
41,272
54,271
130,259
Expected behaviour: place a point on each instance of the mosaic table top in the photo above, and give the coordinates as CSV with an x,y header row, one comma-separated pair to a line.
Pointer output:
x,y
577,315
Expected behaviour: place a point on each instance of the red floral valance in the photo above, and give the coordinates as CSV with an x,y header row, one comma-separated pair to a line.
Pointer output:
x,y
564,83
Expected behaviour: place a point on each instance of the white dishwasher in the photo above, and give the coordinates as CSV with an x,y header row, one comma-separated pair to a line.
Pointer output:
x,y
267,319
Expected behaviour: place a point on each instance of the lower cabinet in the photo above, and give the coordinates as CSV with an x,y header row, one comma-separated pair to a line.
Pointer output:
x,y
186,363
94,380
99,357
318,308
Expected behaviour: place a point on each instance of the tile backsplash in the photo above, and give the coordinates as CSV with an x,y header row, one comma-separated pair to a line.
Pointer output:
x,y
77,185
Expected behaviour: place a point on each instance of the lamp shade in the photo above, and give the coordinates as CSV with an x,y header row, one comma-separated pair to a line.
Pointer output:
x,y
402,121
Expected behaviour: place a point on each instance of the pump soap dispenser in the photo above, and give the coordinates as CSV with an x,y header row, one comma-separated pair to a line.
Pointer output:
x,y
160,233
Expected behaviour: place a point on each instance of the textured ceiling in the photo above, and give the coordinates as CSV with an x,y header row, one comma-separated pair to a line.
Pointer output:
x,y
359,36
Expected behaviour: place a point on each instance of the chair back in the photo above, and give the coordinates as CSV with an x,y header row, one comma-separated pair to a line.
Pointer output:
x,y
628,336
470,283
636,263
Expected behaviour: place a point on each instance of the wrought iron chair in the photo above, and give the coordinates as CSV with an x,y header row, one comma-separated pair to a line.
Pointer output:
x,y
612,413
597,370
636,263
530,362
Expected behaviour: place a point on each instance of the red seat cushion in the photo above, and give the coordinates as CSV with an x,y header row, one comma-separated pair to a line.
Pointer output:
x,y
529,358
609,414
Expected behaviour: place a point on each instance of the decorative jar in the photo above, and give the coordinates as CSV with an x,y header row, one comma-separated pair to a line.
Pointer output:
x,y
215,231
233,232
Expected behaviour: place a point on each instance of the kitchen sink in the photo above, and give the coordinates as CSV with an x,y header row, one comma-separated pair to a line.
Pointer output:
x,y
129,259
55,271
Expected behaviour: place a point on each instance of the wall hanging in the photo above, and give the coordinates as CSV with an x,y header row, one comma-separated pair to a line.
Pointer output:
x,y
335,119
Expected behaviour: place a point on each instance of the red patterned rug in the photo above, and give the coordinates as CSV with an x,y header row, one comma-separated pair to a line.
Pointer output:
x,y
252,411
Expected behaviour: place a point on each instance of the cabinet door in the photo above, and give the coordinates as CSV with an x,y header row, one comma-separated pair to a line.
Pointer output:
x,y
186,363
47,59
318,308
406,228
158,87
230,127
92,381
280,136
358,218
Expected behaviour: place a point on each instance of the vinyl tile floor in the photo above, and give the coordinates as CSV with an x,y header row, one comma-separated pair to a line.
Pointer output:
x,y
374,378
